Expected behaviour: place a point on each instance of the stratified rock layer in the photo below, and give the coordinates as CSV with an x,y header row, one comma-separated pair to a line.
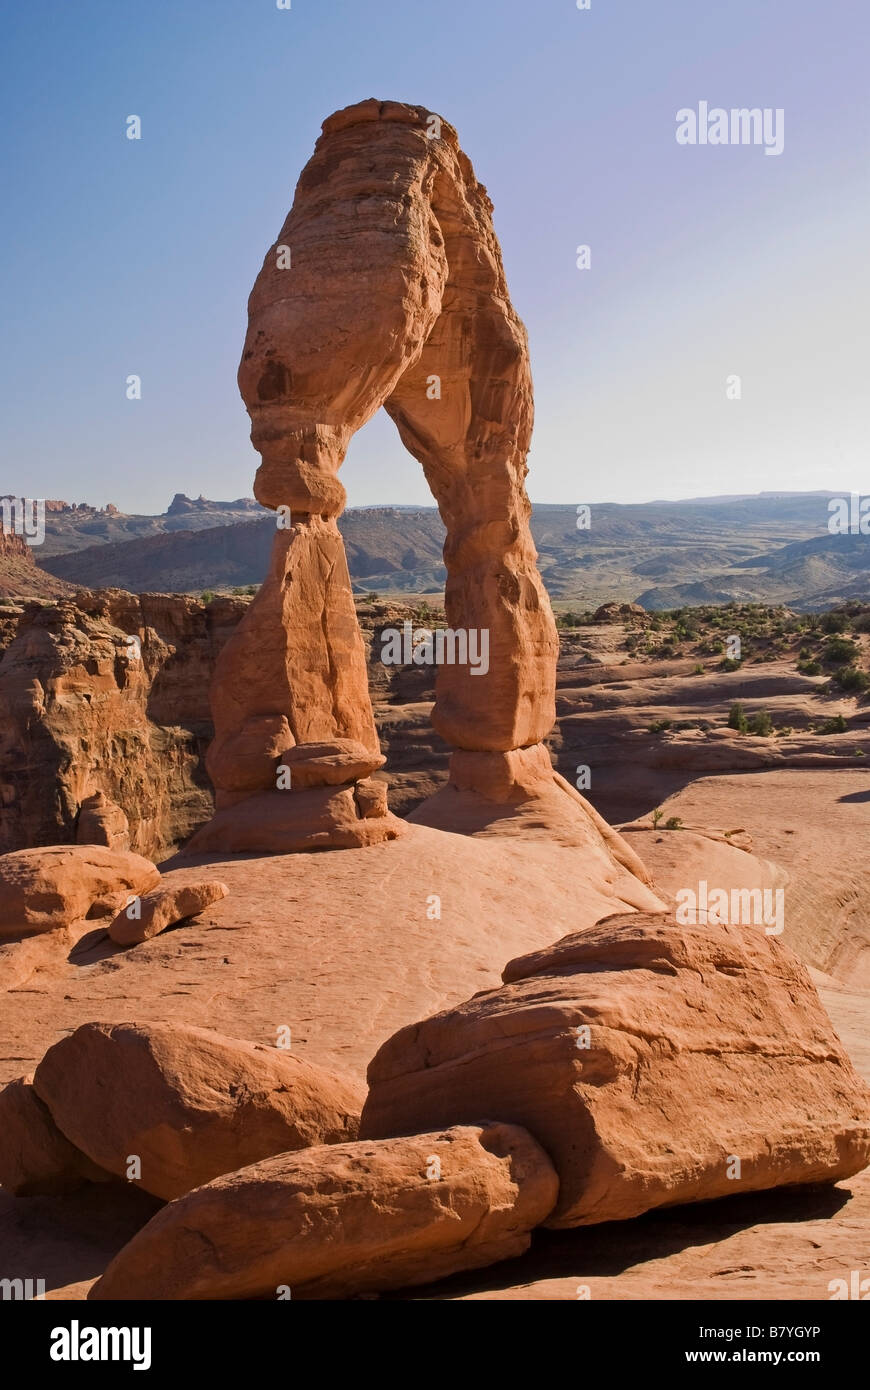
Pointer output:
x,y
189,1103
349,1219
656,1063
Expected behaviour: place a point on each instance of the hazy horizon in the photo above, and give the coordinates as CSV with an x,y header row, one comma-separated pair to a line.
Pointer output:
x,y
430,504
137,256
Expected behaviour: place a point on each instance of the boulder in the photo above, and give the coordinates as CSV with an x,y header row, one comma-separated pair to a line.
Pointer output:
x,y
330,764
657,1064
349,1219
189,1103
41,889
101,822
162,908
35,1158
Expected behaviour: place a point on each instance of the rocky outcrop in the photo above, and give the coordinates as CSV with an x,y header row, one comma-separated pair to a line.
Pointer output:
x,y
186,1102
350,1219
107,696
656,1064
162,908
43,889
19,573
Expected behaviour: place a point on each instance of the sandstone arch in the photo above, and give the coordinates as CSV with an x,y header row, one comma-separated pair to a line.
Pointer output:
x,y
387,273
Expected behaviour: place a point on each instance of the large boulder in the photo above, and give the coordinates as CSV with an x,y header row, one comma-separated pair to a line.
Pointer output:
x,y
41,889
656,1063
35,1158
162,908
350,1219
188,1103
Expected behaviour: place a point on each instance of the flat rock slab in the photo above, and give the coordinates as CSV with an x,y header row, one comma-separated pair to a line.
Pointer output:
x,y
189,1103
162,908
43,889
656,1063
344,1220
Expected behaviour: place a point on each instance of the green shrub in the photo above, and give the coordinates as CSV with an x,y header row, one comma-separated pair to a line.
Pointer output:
x,y
834,622
673,823
837,725
737,718
851,678
760,723
840,650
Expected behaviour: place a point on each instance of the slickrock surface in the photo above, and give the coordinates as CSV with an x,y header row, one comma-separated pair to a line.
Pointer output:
x,y
35,1158
350,1219
344,948
42,889
162,908
188,1102
706,1044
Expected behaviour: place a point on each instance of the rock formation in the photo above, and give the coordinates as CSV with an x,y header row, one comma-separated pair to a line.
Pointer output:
x,y
656,1064
43,889
349,1219
36,1159
188,1102
106,695
164,907
385,287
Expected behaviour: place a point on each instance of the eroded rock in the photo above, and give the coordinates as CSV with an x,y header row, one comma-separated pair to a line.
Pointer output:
x,y
42,889
162,908
646,1057
344,1220
189,1103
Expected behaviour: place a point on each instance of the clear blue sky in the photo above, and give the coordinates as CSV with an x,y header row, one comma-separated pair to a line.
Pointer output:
x,y
124,256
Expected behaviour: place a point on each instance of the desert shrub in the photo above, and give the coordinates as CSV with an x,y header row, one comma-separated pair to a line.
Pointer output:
x,y
673,823
760,723
836,725
206,596
658,726
810,668
851,678
656,817
835,622
839,650
730,663
699,670
737,718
